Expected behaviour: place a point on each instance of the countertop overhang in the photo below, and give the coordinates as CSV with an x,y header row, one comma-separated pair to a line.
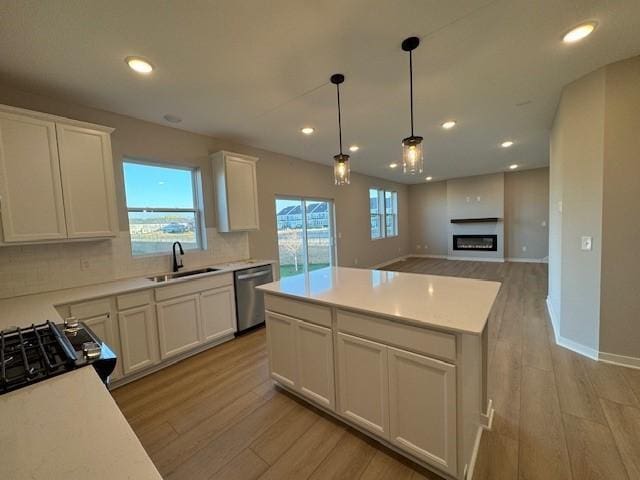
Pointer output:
x,y
446,303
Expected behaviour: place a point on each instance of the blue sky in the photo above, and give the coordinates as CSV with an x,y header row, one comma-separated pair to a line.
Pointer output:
x,y
159,187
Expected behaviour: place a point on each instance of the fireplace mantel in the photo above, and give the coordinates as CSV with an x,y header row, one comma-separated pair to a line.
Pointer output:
x,y
476,220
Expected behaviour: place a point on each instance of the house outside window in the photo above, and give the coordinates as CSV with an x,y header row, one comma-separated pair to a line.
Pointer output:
x,y
164,206
383,213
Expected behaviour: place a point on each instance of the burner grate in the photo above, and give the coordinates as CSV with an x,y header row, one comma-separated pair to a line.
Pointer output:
x,y
28,355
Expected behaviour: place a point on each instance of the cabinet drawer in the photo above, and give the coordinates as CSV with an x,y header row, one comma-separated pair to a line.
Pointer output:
x,y
136,299
193,286
90,309
429,342
306,311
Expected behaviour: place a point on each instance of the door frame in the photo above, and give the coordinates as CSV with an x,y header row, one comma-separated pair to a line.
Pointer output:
x,y
333,259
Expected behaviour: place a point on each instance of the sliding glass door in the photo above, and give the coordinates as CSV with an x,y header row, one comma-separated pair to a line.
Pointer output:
x,y
305,234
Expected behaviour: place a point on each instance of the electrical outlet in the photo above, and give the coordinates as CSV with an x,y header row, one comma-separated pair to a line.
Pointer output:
x,y
544,223
587,243
478,198
524,248
355,261
418,247
84,264
468,199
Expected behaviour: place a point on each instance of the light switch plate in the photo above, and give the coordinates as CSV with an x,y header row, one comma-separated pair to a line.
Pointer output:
x,y
587,243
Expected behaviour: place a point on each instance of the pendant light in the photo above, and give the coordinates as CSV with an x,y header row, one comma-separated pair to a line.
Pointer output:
x,y
341,167
412,159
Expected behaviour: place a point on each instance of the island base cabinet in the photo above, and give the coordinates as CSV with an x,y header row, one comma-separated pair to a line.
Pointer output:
x,y
363,385
218,312
422,408
315,363
301,358
178,325
139,338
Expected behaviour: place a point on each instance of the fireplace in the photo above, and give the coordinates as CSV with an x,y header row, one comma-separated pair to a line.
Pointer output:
x,y
485,243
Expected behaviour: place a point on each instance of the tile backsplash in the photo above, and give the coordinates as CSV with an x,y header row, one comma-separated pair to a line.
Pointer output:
x,y
31,269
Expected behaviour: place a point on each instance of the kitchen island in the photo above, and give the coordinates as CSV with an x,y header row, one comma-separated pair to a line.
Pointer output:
x,y
401,357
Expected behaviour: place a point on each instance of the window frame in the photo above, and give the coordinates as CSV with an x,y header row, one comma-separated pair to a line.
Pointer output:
x,y
382,213
197,210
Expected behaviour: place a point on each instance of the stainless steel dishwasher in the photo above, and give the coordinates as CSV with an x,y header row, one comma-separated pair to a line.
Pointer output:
x,y
250,302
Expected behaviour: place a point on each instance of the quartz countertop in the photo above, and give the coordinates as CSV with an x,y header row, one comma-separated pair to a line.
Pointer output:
x,y
446,303
69,427
37,308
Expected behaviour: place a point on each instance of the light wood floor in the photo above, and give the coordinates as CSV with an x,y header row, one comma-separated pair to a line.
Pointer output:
x,y
558,415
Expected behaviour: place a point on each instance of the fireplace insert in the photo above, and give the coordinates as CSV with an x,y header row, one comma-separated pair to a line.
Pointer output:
x,y
486,243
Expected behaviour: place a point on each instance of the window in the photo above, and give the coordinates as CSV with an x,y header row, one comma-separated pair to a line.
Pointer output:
x,y
164,207
383,210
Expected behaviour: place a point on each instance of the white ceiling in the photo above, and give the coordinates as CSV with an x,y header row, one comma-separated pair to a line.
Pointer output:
x,y
257,71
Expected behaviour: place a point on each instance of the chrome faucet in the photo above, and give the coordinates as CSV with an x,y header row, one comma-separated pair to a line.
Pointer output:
x,y
177,261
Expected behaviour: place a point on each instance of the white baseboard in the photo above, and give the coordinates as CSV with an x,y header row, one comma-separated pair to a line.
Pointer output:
x,y
566,342
487,418
476,259
624,361
527,260
426,255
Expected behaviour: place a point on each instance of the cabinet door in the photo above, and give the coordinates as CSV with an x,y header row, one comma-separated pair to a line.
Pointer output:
x,y
363,383
422,408
315,363
102,326
31,201
218,313
281,343
86,165
178,325
139,338
242,191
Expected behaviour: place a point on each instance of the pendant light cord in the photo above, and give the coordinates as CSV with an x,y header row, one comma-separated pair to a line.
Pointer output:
x,y
411,86
339,118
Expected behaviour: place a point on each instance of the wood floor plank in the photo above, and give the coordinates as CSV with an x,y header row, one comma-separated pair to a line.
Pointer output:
x,y
592,450
156,436
244,466
280,436
383,466
542,453
610,382
216,453
504,388
299,462
497,458
347,460
577,395
624,421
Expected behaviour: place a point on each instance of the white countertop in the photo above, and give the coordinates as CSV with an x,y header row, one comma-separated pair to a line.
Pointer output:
x,y
68,427
24,310
446,303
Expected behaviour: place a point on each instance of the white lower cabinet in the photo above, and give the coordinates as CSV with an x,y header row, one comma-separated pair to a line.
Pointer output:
x,y
363,385
139,338
315,363
422,407
218,313
178,325
281,343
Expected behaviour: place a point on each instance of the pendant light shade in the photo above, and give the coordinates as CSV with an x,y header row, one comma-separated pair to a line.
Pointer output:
x,y
341,164
412,153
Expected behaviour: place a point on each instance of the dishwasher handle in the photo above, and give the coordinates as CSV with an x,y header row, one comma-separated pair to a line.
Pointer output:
x,y
254,275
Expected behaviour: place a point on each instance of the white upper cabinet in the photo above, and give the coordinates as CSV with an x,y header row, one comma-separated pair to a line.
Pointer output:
x,y
56,178
30,189
86,167
236,191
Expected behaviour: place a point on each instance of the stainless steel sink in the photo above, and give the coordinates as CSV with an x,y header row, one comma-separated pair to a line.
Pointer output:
x,y
173,276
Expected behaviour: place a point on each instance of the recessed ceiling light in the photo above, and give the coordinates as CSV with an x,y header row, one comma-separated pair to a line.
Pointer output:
x,y
449,124
578,33
307,130
354,148
172,118
506,144
513,166
393,165
140,65
428,179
